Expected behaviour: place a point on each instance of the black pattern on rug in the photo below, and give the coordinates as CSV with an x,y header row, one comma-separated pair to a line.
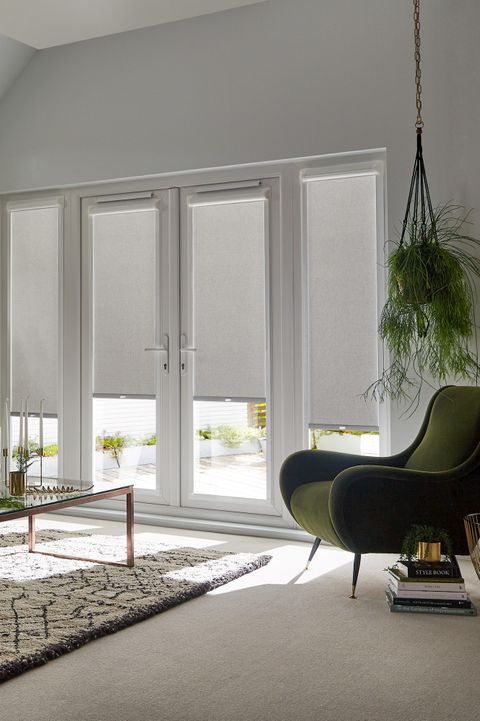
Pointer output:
x,y
50,606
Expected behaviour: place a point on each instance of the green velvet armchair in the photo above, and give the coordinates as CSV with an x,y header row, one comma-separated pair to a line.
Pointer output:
x,y
367,504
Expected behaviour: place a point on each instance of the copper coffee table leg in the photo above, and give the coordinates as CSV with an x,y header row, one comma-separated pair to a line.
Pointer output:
x,y
130,519
31,534
130,551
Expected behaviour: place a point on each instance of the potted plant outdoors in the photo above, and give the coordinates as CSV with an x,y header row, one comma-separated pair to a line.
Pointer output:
x,y
426,543
428,321
262,439
235,439
226,440
113,445
147,451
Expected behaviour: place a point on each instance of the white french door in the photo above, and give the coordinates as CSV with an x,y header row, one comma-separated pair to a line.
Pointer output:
x,y
225,351
130,325
177,339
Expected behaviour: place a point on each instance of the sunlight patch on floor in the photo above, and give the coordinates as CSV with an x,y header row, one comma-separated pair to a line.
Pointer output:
x,y
288,566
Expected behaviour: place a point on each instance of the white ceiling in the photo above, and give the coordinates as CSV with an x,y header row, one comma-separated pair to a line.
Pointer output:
x,y
44,23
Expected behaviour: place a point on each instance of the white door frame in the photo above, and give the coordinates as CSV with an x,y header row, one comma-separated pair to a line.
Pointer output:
x,y
266,191
165,203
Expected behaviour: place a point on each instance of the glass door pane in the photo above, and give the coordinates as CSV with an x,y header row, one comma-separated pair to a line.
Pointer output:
x,y
126,337
125,256
224,349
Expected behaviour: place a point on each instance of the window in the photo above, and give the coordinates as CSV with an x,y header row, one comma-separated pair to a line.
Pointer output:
x,y
35,234
340,227
202,332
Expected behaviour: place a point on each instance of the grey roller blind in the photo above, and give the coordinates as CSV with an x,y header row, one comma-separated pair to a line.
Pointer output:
x,y
342,289
229,299
34,235
124,281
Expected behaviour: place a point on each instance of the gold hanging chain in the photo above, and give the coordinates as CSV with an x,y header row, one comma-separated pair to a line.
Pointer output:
x,y
418,71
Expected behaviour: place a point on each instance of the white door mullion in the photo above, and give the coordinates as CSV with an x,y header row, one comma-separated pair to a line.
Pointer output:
x,y
71,360
185,360
86,468
168,394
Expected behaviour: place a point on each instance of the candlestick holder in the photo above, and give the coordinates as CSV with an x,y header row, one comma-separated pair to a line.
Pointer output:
x,y
25,458
40,454
5,466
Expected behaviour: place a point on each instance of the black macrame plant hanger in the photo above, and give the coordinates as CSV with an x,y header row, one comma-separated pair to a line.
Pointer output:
x,y
419,219
419,203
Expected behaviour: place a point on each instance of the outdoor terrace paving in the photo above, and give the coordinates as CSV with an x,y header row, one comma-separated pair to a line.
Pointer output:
x,y
237,476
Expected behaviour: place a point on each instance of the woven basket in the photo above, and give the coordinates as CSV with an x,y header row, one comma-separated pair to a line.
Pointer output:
x,y
472,529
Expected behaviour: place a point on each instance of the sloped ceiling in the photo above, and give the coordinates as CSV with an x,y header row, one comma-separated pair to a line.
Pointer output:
x,y
14,56
45,23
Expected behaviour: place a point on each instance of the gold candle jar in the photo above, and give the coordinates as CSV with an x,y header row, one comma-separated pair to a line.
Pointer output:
x,y
430,552
18,483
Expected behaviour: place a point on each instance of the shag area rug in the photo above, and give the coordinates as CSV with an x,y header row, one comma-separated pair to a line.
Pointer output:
x,y
50,606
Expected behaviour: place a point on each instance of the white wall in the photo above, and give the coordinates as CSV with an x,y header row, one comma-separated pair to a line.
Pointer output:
x,y
285,78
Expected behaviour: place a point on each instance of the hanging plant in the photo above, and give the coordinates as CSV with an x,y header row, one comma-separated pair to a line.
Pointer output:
x,y
428,321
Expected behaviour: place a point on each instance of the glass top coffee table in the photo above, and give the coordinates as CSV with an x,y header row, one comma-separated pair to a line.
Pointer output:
x,y
38,499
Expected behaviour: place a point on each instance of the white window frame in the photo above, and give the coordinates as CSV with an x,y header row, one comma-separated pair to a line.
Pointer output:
x,y
9,206
368,163
288,325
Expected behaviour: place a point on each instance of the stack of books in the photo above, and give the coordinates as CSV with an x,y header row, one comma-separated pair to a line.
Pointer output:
x,y
420,587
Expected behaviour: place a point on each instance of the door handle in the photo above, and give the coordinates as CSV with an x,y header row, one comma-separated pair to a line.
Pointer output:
x,y
184,349
162,349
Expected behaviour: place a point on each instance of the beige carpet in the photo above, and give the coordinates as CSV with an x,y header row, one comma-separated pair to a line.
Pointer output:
x,y
290,648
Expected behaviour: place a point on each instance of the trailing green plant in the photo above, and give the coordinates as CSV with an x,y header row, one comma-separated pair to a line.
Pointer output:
x,y
205,434
113,445
150,441
422,533
428,321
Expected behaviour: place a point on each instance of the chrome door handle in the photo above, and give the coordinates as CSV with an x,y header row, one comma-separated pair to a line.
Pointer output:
x,y
184,349
163,349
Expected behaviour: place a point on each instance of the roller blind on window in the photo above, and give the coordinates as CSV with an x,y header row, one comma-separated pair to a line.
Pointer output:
x,y
342,298
124,282
34,244
229,299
